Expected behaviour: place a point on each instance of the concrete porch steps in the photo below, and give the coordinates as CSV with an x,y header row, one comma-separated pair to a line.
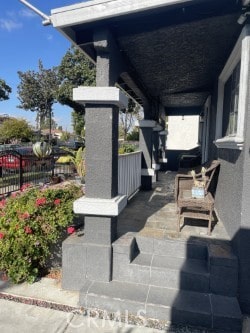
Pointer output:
x,y
172,272
186,265
166,304
164,271
186,281
192,248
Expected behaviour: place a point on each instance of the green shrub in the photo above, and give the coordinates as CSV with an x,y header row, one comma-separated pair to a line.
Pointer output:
x,y
30,222
126,148
133,136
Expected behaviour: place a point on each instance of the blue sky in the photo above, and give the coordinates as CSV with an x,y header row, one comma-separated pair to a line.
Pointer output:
x,y
24,40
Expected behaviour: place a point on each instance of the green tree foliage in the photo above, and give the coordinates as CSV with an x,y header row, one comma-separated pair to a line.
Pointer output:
x,y
15,129
37,91
47,122
75,70
128,118
78,123
5,90
65,136
133,135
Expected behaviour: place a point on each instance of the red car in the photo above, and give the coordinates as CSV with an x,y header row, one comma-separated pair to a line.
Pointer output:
x,y
25,158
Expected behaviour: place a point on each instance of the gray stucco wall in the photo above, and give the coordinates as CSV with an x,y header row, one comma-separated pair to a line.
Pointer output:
x,y
243,237
233,200
229,189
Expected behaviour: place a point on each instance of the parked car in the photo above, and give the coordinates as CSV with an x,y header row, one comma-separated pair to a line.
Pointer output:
x,y
73,144
24,158
4,147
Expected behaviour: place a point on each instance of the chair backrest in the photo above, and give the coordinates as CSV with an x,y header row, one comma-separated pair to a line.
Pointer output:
x,y
212,173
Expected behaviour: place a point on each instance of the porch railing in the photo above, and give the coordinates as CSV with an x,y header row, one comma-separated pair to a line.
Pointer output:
x,y
129,173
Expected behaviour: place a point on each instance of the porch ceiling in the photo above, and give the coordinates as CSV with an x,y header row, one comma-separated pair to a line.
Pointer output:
x,y
174,52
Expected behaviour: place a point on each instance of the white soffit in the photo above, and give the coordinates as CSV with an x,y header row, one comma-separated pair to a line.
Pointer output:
x,y
91,11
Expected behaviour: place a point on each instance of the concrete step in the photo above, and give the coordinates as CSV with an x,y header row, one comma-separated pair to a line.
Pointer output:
x,y
187,266
175,248
179,273
165,304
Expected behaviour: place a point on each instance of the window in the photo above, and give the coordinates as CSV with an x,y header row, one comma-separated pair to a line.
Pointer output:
x,y
230,103
232,95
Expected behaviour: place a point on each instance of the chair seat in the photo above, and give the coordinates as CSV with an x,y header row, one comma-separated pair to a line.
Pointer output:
x,y
185,199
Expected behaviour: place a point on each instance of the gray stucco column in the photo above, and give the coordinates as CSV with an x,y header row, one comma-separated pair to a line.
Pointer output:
x,y
155,156
101,204
146,146
90,256
163,139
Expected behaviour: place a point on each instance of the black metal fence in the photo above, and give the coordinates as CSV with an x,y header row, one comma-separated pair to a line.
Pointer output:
x,y
18,168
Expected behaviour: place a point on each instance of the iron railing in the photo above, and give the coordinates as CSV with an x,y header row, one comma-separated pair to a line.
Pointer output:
x,y
18,169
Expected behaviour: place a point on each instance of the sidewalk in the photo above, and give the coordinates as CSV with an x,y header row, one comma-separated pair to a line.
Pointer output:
x,y
24,318
44,307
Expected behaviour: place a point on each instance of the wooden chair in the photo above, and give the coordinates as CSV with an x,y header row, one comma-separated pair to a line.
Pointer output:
x,y
201,208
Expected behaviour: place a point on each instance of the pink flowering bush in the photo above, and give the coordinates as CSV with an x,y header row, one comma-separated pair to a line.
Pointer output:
x,y
30,222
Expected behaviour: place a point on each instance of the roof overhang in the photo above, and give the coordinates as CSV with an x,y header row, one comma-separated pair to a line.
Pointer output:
x,y
176,48
98,10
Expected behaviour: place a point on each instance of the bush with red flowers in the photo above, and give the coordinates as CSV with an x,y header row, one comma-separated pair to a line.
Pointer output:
x,y
30,222
71,230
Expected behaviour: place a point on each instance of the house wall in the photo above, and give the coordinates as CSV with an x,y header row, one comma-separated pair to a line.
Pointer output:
x,y
243,236
182,132
229,189
232,199
182,138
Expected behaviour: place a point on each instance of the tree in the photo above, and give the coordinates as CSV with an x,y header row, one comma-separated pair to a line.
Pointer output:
x,y
37,91
75,70
5,90
47,123
15,129
128,118
78,123
65,136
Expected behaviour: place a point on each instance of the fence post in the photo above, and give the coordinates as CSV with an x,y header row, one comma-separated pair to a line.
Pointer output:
x,y
20,171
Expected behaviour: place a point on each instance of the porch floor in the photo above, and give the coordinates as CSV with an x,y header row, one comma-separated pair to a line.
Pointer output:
x,y
153,214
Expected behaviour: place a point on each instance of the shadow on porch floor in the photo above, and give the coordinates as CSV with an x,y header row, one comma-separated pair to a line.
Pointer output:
x,y
153,214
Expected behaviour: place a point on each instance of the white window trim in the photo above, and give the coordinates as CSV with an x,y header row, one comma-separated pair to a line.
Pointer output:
x,y
241,52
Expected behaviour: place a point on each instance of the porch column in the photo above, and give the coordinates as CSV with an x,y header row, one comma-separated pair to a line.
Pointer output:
x,y
101,204
155,156
146,146
92,254
163,139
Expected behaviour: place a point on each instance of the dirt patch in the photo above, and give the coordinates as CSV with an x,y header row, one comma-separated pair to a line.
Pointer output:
x,y
54,273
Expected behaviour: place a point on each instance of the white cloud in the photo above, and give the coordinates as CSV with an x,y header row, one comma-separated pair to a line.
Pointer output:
x,y
9,25
49,37
11,22
27,13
